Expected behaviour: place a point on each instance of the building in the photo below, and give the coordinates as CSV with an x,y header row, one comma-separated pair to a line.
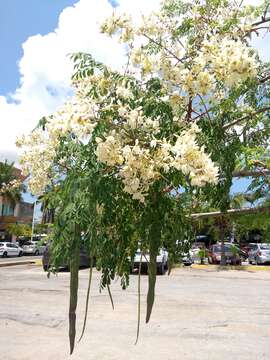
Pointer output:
x,y
19,212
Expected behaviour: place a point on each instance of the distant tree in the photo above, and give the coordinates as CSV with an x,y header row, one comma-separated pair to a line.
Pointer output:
x,y
11,185
19,230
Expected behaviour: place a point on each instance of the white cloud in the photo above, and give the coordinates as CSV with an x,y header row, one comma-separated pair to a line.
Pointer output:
x,y
45,68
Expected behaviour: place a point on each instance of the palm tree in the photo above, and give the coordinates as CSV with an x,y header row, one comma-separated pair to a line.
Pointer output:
x,y
9,175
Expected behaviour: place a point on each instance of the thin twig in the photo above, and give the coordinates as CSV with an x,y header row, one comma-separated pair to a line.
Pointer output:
x,y
263,21
87,298
205,108
246,117
165,48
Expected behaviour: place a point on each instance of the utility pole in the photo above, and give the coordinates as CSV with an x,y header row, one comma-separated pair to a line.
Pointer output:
x,y
33,221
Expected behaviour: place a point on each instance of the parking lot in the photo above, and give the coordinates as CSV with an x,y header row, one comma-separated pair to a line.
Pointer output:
x,y
198,314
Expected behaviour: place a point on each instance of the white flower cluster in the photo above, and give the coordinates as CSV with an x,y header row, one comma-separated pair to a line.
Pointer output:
x,y
77,117
141,164
197,67
231,61
119,24
135,119
39,152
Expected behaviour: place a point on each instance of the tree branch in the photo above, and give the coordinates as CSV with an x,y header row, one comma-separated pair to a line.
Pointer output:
x,y
263,80
251,173
205,108
246,117
164,47
263,21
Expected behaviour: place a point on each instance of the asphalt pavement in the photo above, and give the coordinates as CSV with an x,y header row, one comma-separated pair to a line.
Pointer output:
x,y
198,315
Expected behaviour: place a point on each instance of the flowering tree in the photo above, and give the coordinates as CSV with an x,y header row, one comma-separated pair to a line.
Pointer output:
x,y
125,156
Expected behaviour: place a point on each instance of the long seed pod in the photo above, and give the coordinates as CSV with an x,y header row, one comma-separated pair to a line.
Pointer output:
x,y
170,267
139,301
110,295
87,298
74,283
152,274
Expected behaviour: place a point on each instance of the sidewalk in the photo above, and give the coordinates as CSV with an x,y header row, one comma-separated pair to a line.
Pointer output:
x,y
232,267
14,262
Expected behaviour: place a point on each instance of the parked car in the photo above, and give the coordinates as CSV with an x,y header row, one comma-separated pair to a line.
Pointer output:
x,y
245,249
10,249
232,254
191,257
33,248
84,259
162,261
259,254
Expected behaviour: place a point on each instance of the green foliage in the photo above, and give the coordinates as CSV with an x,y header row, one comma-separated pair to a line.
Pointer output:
x,y
19,229
7,176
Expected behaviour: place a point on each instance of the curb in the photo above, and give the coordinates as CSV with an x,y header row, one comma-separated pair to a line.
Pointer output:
x,y
25,262
232,267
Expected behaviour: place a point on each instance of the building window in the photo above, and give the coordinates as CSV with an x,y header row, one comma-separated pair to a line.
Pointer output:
x,y
7,210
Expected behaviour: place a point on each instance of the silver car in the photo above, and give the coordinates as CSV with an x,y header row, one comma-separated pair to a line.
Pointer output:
x,y
259,254
33,248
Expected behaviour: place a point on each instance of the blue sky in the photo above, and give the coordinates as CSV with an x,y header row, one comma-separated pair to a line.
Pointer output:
x,y
20,19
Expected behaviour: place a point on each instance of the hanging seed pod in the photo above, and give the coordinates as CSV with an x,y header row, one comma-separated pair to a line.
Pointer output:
x,y
74,283
152,274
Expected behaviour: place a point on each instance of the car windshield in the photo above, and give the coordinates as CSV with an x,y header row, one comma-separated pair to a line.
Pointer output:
x,y
217,248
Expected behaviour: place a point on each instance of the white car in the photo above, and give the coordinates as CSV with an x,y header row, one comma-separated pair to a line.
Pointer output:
x,y
162,261
259,254
191,257
33,248
10,249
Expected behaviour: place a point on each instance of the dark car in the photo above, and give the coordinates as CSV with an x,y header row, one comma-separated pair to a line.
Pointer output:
x,y
84,259
232,254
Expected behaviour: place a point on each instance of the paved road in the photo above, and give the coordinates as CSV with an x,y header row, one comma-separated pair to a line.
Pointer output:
x,y
198,315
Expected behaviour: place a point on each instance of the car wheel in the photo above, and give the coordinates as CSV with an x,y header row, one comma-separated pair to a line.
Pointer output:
x,y
20,254
250,262
161,269
36,252
5,254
